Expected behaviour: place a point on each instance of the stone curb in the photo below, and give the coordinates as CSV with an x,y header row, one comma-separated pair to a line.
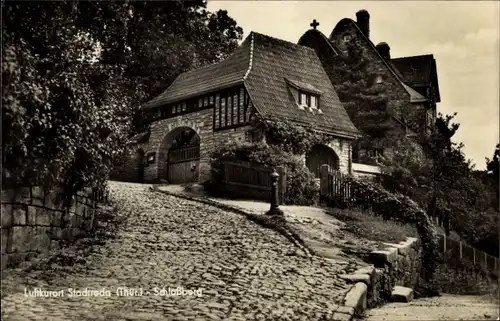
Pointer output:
x,y
356,298
263,220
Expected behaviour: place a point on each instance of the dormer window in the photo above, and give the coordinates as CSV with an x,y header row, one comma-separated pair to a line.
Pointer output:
x,y
347,38
378,79
309,100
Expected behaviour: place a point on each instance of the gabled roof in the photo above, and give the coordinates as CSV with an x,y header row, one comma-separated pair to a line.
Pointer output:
x,y
316,34
196,82
418,71
274,62
414,96
415,70
267,67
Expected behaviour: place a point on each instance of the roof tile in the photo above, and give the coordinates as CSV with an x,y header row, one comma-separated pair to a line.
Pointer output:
x,y
272,62
415,70
203,80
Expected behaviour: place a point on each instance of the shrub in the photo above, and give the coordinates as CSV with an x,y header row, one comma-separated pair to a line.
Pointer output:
x,y
301,188
65,117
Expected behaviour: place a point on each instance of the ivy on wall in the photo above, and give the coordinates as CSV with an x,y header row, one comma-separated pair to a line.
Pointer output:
x,y
289,136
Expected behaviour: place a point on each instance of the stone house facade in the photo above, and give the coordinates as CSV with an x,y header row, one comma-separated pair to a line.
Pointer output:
x,y
213,105
410,83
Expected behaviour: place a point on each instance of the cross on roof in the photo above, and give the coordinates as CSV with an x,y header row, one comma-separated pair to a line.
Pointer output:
x,y
314,24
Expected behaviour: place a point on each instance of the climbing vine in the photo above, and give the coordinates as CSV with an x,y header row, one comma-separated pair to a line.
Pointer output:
x,y
289,136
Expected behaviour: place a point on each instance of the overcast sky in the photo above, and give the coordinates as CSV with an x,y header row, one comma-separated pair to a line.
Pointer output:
x,y
463,36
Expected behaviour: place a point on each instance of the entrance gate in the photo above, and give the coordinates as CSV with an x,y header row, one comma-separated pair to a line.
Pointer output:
x,y
183,164
320,155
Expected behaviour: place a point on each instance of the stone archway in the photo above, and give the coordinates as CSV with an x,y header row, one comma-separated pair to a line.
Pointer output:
x,y
179,156
319,155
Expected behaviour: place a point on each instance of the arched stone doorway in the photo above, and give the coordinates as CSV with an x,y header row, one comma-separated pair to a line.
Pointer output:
x,y
180,156
139,158
319,155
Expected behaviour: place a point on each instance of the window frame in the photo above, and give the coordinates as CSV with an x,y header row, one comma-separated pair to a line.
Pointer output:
x,y
232,109
308,96
185,106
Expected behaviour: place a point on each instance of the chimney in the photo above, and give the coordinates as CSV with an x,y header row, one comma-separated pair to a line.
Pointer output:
x,y
384,50
363,19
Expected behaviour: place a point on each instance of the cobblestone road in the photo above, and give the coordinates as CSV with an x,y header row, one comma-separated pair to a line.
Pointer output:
x,y
245,272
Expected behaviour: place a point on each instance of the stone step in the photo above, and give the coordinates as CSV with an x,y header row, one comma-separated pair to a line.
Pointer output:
x,y
401,294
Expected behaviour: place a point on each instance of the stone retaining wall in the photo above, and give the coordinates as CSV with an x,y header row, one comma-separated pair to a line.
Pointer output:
x,y
400,265
35,221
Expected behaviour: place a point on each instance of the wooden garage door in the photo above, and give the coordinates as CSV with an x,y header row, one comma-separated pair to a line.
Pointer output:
x,y
183,164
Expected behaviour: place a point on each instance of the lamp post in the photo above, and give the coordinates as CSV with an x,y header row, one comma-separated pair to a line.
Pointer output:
x,y
275,209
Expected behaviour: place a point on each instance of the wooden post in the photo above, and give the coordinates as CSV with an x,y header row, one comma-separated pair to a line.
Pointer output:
x,y
444,243
474,255
460,250
275,208
323,179
281,170
485,260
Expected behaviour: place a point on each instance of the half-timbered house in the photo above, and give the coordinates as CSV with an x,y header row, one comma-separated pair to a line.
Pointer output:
x,y
214,105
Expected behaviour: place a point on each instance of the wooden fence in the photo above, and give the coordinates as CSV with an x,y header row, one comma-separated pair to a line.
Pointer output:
x,y
465,252
247,180
337,191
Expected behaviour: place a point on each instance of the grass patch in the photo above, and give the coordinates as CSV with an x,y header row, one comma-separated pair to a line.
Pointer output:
x,y
375,228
